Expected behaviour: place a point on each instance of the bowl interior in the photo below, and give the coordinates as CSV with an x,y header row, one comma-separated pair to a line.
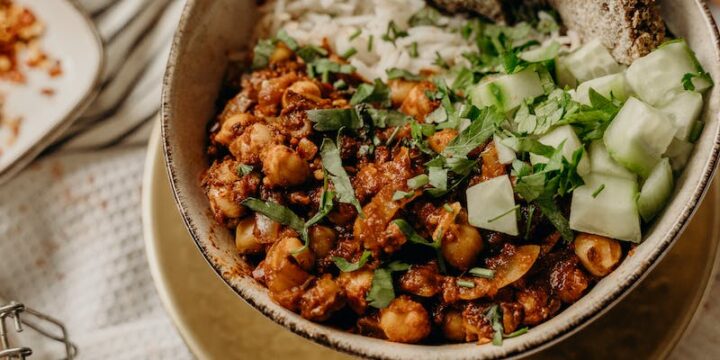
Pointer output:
x,y
209,30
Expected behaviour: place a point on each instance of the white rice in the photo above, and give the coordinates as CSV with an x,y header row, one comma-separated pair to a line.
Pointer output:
x,y
311,21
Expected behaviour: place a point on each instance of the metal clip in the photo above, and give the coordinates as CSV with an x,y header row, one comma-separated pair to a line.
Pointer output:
x,y
13,310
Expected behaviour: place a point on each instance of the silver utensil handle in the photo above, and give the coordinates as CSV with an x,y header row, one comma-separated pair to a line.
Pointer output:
x,y
36,321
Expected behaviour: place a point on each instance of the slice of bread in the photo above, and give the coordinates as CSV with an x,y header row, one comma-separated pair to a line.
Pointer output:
x,y
491,9
629,28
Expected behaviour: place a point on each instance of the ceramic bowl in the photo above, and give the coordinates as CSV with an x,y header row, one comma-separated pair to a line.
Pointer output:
x,y
209,29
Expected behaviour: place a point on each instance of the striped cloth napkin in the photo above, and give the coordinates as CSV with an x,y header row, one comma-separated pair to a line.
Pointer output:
x,y
70,227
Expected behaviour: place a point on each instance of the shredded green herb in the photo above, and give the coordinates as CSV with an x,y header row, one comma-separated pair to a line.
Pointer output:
x,y
482,272
465,283
382,291
346,266
243,169
598,190
333,164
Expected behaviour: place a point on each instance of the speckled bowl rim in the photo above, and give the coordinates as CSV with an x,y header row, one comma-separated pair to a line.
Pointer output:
x,y
356,344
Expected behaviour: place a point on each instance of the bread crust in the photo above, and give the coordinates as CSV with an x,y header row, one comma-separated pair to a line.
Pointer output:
x,y
629,28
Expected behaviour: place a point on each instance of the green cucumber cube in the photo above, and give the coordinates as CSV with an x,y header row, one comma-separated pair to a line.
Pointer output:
x,y
507,92
657,76
491,206
656,190
601,162
609,85
684,109
606,205
590,61
638,136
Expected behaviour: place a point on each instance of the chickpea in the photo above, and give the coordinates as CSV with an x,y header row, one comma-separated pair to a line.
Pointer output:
x,y
417,104
249,146
322,240
282,272
266,230
245,240
598,254
461,246
322,299
284,167
223,204
304,88
405,320
453,327
399,90
441,139
227,132
356,285
280,54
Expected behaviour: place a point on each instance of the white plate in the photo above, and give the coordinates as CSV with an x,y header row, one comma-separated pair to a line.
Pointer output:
x,y
71,37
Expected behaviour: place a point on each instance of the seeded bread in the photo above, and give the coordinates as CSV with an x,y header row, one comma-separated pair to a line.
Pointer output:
x,y
629,28
491,9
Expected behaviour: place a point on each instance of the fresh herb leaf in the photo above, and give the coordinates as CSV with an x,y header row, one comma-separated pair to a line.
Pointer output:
x,y
482,272
340,84
418,181
465,283
687,79
551,211
514,208
325,67
355,34
412,236
393,33
440,61
397,73
598,190
427,16
291,43
493,315
346,266
370,43
310,53
348,53
262,52
243,169
333,164
276,212
517,332
377,92
382,291
381,118
399,195
479,131
334,119
414,50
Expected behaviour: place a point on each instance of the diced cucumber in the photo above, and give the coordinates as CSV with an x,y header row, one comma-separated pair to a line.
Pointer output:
x,y
656,190
679,152
507,92
638,136
606,205
506,155
601,162
613,84
590,61
683,109
571,144
541,53
491,205
655,77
